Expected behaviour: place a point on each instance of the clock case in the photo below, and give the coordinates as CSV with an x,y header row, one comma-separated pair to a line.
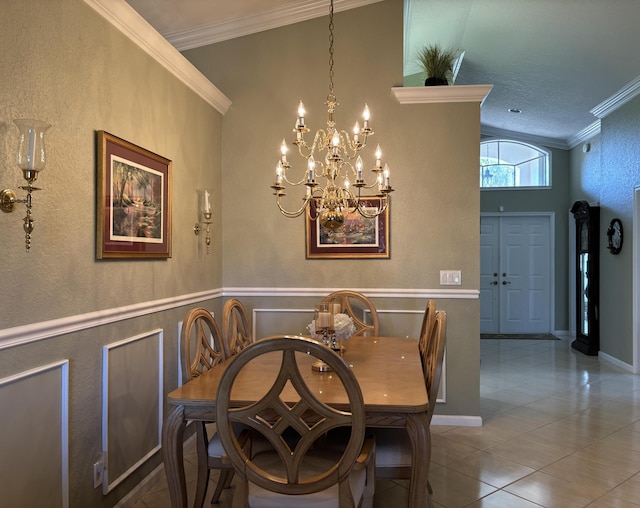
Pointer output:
x,y
587,219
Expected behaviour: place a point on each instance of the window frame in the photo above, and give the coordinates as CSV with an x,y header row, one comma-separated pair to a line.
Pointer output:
x,y
546,153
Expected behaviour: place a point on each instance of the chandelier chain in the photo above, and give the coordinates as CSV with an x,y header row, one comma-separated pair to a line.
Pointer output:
x,y
331,97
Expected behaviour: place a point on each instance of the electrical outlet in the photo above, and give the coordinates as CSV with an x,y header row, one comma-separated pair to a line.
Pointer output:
x,y
98,476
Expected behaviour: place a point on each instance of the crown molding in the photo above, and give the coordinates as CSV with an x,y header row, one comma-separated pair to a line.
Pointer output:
x,y
257,22
441,94
585,134
624,95
123,17
494,132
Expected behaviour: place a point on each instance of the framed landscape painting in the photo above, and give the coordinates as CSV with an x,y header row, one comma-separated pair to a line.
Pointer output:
x,y
359,237
134,201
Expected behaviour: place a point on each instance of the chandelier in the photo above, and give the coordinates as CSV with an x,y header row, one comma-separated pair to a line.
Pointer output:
x,y
334,156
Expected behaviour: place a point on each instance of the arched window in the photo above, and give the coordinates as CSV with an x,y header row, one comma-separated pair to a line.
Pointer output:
x,y
513,164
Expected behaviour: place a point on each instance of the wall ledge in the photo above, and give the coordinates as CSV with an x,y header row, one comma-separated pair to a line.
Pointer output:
x,y
441,94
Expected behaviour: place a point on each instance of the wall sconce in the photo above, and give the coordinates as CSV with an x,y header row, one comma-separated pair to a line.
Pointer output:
x,y
204,209
31,160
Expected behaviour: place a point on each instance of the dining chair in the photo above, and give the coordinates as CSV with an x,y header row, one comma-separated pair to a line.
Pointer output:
x,y
428,322
393,447
298,468
355,304
236,328
202,349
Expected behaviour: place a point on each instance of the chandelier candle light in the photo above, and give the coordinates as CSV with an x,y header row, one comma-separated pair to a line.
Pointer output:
x,y
331,156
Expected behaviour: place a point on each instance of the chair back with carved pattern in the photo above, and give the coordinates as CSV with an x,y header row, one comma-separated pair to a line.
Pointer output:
x,y
236,328
201,340
356,305
298,468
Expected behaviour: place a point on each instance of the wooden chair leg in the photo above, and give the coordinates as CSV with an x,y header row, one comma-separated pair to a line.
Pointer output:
x,y
202,479
224,480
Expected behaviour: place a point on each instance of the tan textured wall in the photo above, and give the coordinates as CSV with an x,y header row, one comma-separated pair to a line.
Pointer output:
x,y
63,63
81,75
433,152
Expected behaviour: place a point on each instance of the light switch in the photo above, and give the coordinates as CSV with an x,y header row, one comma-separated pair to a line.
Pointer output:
x,y
450,277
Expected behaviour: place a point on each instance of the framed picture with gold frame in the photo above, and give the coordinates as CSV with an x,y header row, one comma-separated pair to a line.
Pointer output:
x,y
133,201
359,237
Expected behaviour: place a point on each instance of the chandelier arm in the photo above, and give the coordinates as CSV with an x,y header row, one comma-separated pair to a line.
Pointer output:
x,y
284,176
349,147
379,210
314,147
352,198
297,213
350,169
370,186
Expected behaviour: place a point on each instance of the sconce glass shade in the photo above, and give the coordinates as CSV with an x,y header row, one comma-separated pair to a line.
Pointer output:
x,y
31,152
205,204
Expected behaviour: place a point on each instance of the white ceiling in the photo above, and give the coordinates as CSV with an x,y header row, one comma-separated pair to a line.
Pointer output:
x,y
555,60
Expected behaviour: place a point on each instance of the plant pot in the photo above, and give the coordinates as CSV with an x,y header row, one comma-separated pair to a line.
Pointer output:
x,y
435,82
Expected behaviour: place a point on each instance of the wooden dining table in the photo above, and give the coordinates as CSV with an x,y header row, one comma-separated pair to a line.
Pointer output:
x,y
389,371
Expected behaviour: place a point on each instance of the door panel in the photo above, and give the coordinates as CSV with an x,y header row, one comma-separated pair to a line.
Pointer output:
x,y
489,274
521,300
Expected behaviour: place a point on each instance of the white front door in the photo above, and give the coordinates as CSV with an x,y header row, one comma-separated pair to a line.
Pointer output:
x,y
515,274
489,275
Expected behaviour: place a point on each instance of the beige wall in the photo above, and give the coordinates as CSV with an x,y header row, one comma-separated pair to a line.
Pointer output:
x,y
433,152
63,63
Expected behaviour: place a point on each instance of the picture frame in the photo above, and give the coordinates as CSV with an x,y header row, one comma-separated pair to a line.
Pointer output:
x,y
133,201
359,237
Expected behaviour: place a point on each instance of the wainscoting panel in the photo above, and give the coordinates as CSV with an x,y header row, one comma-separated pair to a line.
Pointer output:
x,y
131,404
34,443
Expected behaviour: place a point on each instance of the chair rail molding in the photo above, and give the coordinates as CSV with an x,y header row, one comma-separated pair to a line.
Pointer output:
x,y
457,294
19,335
24,334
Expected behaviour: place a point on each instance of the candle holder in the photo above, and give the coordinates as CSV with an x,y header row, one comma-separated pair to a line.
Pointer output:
x,y
205,208
323,326
31,160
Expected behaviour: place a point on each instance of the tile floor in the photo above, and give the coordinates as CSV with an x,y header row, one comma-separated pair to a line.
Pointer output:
x,y
561,429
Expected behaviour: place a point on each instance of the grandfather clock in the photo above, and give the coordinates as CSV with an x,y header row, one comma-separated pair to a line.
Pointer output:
x,y
587,278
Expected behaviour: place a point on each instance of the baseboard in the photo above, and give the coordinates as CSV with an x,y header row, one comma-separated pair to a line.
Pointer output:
x,y
614,361
138,492
457,420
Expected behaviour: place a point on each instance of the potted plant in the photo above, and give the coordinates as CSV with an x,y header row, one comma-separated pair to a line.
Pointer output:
x,y
437,64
